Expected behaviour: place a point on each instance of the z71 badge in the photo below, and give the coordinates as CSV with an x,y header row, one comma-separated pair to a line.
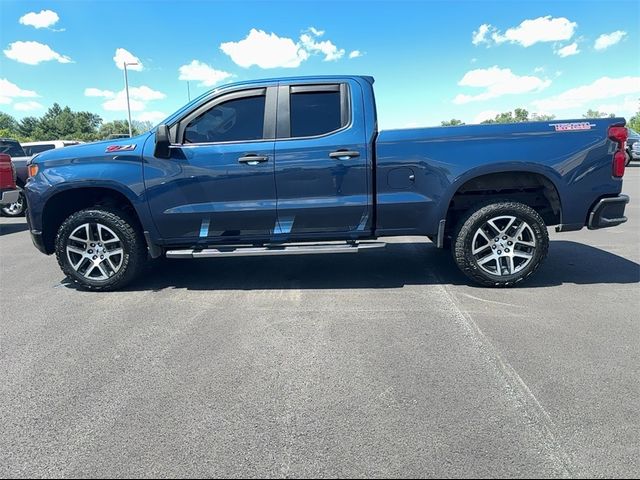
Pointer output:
x,y
566,127
120,148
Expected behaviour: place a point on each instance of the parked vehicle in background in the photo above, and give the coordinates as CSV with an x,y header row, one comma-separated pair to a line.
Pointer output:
x,y
9,193
265,167
19,159
33,148
633,145
635,151
115,136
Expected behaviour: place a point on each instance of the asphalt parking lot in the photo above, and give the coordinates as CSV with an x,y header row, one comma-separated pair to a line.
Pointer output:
x,y
386,363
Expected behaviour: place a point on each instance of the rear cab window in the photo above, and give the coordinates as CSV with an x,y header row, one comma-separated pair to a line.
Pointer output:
x,y
316,110
11,148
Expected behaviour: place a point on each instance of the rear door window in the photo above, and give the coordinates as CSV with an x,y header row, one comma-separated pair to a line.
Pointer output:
x,y
315,113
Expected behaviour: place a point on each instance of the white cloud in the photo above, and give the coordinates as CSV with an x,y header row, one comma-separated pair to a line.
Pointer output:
x,y
529,32
153,117
203,73
584,96
145,93
27,106
44,19
497,82
316,32
121,56
608,39
480,36
266,50
625,108
538,70
32,53
355,54
96,92
567,51
9,91
485,115
327,48
117,101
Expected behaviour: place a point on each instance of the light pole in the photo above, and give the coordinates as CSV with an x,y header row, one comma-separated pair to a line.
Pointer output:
x,y
126,87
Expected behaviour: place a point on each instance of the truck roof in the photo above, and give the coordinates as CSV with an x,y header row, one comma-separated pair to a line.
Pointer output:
x,y
366,78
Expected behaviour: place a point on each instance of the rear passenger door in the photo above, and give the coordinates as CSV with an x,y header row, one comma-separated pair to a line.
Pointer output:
x,y
322,169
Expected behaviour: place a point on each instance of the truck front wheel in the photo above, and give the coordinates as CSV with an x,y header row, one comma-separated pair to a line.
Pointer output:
x,y
500,244
100,248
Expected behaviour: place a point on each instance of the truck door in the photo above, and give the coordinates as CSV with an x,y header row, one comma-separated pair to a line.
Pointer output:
x,y
218,184
322,168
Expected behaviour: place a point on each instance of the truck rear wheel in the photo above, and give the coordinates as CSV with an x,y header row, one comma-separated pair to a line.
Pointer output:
x,y
500,244
100,248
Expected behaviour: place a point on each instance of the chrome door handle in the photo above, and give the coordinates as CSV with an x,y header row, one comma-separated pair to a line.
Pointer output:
x,y
253,159
344,154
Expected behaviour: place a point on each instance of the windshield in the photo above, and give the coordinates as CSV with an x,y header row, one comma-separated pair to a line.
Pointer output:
x,y
11,148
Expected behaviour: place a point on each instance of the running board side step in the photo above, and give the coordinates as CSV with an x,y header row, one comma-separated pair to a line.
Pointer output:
x,y
226,251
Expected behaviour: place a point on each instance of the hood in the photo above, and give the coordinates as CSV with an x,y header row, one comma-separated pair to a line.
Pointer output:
x,y
95,149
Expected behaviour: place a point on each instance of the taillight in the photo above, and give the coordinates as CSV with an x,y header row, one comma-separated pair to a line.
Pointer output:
x,y
619,135
619,159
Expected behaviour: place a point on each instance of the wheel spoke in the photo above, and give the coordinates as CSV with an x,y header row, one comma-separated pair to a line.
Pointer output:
x,y
480,249
104,272
492,224
77,250
117,251
520,254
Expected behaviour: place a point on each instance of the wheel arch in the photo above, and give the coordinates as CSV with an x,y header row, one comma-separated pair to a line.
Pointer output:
x,y
532,185
74,198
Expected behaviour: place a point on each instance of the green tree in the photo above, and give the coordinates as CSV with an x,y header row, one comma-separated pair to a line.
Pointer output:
x,y
596,114
7,122
27,126
541,117
634,122
451,123
116,127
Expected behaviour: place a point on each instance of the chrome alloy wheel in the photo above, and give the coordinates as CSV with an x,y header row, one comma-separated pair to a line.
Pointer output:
x,y
16,208
95,251
503,245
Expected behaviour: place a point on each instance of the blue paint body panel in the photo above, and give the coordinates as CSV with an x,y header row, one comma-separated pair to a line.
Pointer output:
x,y
401,182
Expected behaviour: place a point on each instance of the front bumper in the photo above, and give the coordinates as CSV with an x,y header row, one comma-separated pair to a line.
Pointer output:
x,y
608,212
36,236
9,197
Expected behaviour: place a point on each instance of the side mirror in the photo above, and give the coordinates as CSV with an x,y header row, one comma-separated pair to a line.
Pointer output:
x,y
162,149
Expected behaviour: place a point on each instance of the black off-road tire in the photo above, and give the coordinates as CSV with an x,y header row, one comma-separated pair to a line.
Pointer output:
x,y
474,219
131,240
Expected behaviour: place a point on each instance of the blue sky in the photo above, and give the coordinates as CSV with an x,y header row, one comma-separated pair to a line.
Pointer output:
x,y
432,60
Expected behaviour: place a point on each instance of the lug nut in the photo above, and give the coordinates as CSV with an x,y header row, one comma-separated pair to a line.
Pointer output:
x,y
93,244
506,250
504,238
101,257
95,256
493,246
509,242
90,251
496,239
499,252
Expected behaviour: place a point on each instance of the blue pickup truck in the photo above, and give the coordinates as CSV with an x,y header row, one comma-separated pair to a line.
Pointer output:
x,y
298,166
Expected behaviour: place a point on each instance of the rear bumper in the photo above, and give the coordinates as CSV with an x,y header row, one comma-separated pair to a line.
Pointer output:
x,y
608,212
9,196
